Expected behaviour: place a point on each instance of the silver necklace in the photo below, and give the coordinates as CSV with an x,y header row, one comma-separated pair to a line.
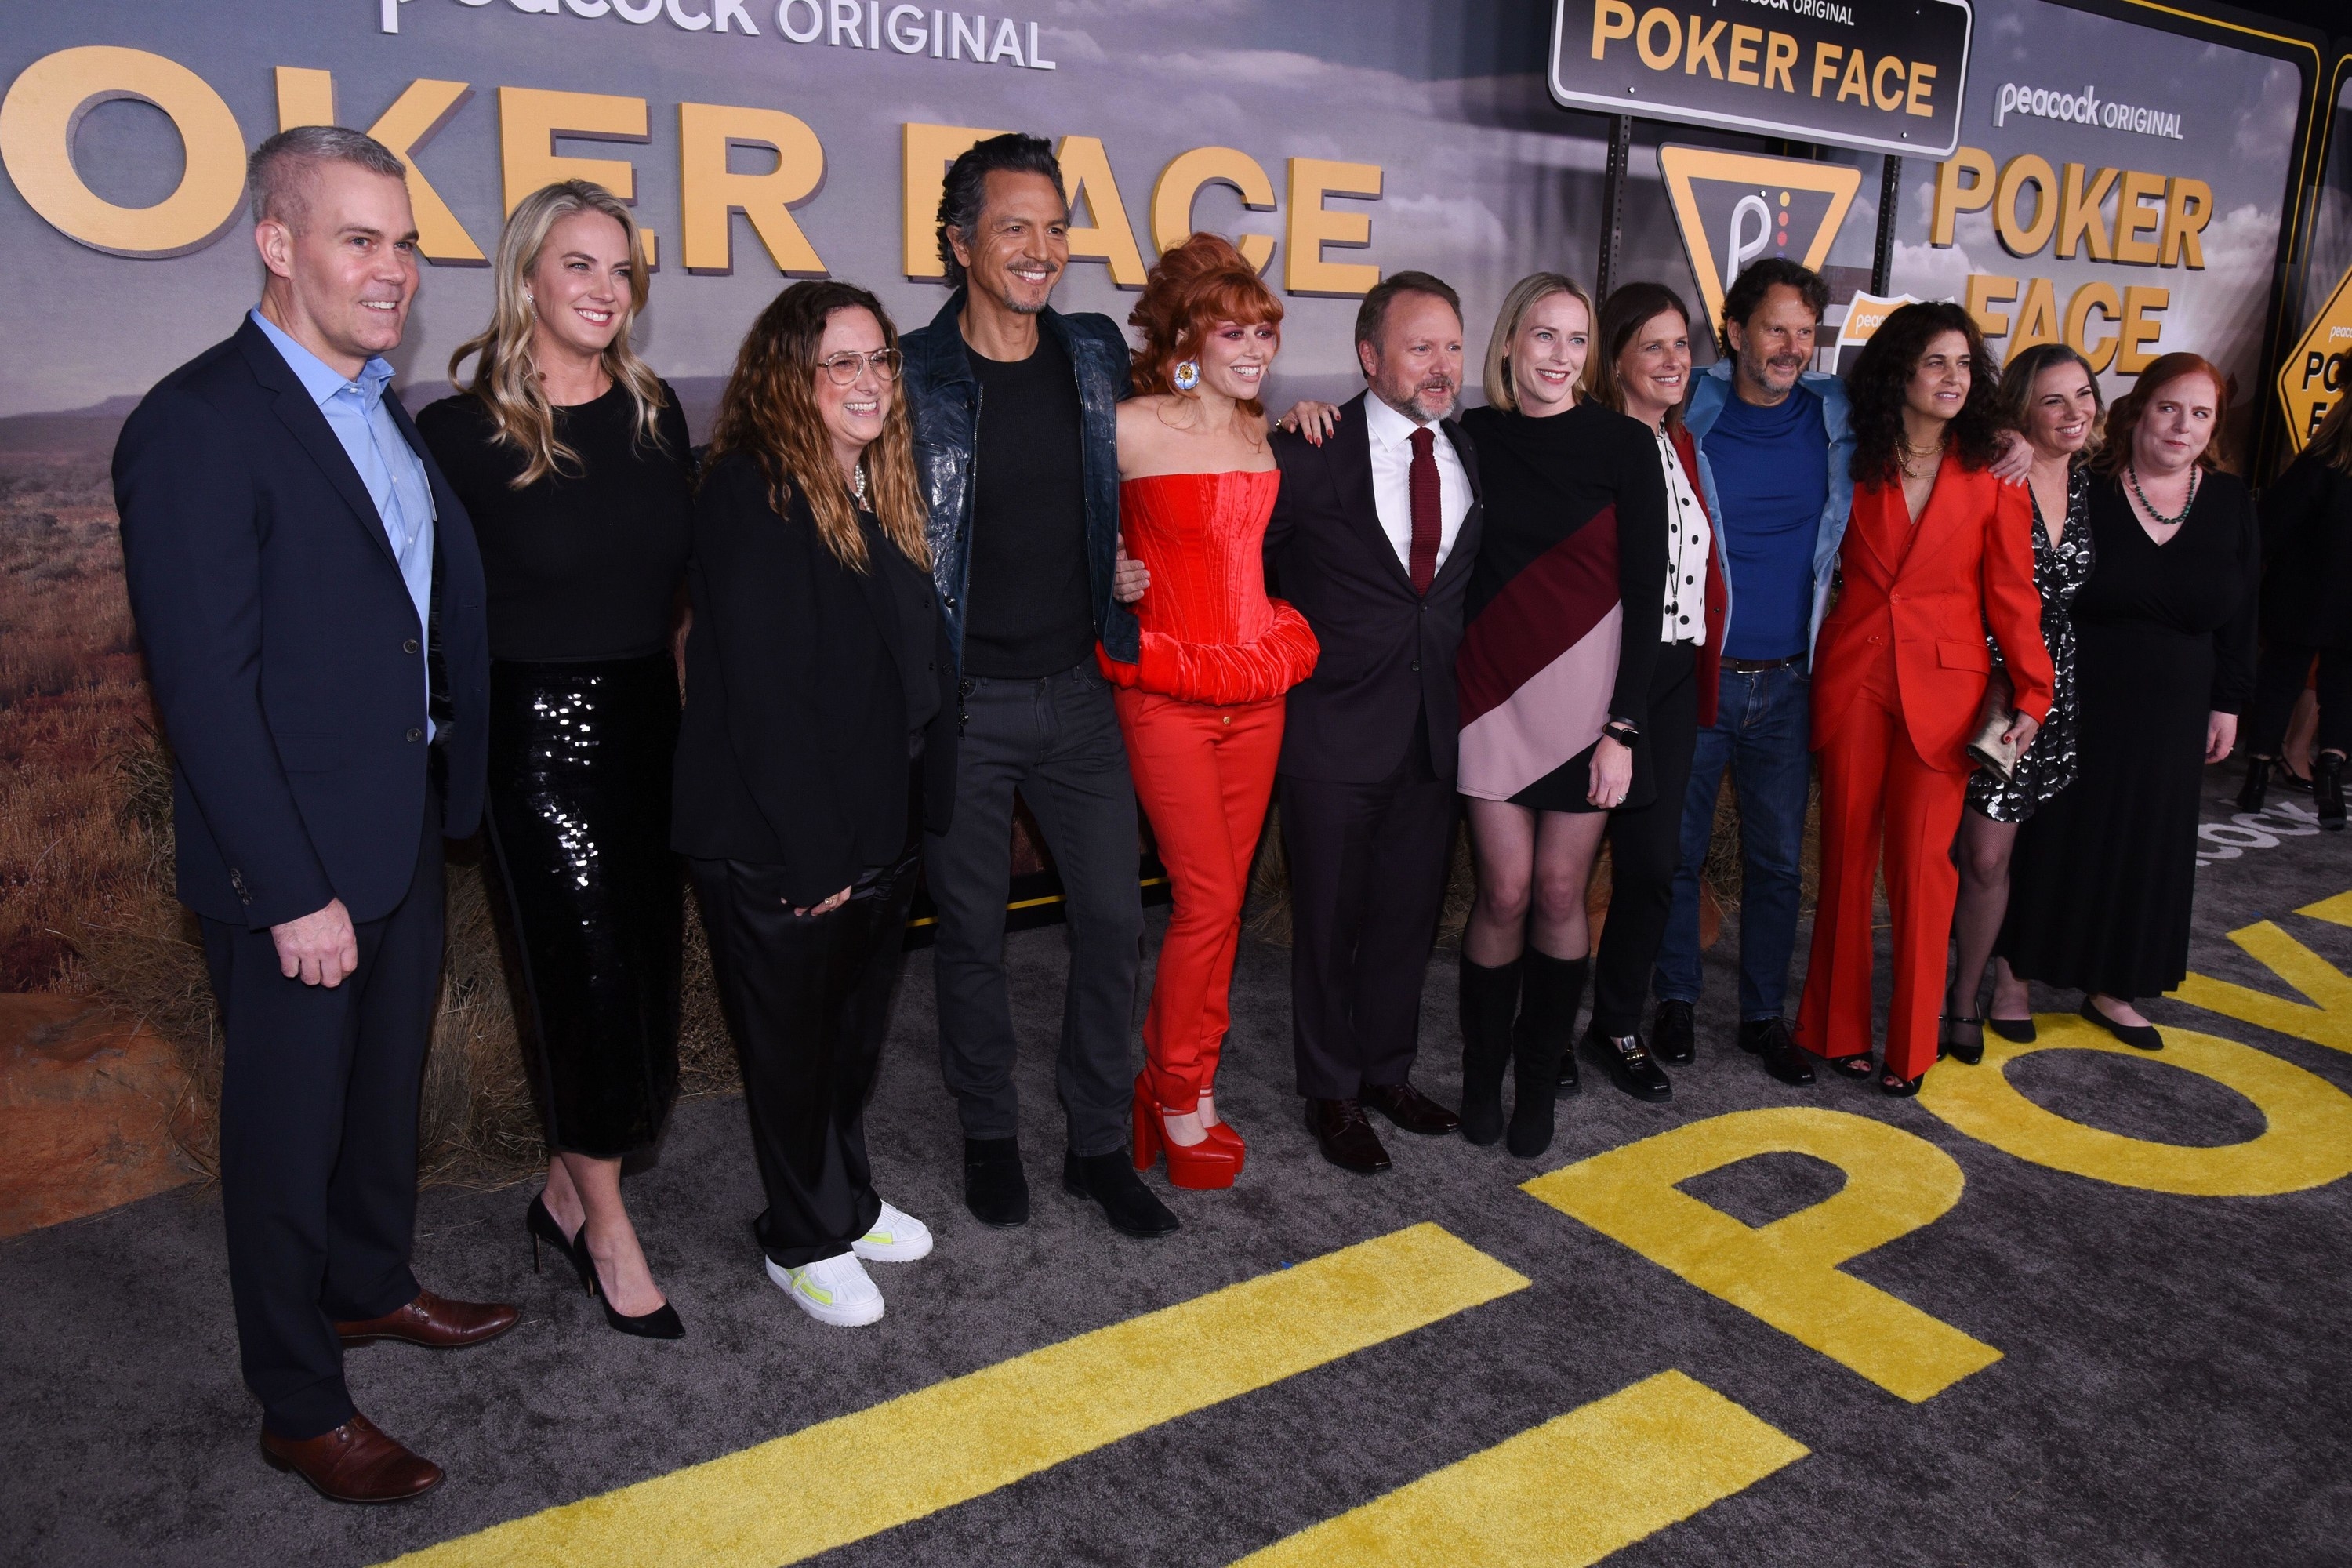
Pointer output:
x,y
858,483
2131,473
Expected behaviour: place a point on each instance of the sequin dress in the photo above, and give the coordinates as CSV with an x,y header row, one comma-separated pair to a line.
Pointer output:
x,y
2060,570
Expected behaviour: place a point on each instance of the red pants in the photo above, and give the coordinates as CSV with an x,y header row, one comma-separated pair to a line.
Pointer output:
x,y
1202,774
1875,786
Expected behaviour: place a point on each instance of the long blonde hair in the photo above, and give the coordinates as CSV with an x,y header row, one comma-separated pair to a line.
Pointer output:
x,y
768,410
507,378
1522,298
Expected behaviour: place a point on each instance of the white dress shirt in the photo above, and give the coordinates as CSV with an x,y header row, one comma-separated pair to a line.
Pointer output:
x,y
1391,434
1686,534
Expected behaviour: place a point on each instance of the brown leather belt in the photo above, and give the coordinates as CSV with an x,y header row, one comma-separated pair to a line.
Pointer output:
x,y
1757,666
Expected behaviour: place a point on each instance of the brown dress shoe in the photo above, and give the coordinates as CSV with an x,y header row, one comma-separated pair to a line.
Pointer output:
x,y
433,1321
354,1463
1410,1109
1345,1139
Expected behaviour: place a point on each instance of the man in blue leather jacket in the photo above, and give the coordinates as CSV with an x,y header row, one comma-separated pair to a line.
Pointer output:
x,y
1015,410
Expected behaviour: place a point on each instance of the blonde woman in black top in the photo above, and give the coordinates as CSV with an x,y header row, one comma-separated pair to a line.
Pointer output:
x,y
572,460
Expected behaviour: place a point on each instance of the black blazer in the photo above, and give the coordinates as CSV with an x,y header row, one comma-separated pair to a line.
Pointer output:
x,y
792,751
283,646
2307,555
1388,652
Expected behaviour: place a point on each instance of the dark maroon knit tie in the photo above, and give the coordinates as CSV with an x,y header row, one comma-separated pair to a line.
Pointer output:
x,y
1421,481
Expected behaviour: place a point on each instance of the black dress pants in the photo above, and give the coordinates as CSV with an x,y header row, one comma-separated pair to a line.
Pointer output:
x,y
2279,682
1367,883
318,1142
1645,848
807,998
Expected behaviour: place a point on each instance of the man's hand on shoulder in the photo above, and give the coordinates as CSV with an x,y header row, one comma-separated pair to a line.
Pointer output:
x,y
320,948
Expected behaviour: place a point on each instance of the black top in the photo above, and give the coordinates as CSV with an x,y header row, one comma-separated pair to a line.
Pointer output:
x,y
1545,479
582,566
911,603
2198,584
2307,555
793,749
1030,614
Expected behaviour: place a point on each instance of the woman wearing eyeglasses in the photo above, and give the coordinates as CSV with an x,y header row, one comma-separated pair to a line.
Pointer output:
x,y
818,743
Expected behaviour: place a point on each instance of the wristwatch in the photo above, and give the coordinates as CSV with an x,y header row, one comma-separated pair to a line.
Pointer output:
x,y
1622,732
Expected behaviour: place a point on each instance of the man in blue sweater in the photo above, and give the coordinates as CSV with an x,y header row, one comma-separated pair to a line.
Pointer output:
x,y
1774,442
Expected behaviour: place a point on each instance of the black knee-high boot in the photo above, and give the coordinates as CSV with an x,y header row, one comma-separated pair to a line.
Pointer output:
x,y
1490,999
1549,994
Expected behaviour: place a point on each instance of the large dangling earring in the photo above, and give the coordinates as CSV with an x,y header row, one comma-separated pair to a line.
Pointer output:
x,y
1187,376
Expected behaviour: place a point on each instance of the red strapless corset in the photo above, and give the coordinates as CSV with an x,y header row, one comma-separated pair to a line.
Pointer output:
x,y
1210,633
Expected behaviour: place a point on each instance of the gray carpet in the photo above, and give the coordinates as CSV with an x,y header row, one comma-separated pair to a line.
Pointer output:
x,y
2172,1389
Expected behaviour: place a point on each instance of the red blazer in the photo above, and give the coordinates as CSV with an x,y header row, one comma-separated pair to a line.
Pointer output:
x,y
1930,590
1718,596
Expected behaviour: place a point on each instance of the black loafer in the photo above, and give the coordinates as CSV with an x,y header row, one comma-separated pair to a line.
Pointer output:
x,y
2138,1036
1629,1065
1109,1181
1673,1033
1769,1040
994,1188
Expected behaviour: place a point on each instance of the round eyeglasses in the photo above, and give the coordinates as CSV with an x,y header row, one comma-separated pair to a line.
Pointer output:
x,y
845,368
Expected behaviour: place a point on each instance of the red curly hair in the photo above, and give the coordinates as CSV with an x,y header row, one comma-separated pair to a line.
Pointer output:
x,y
2122,416
1192,289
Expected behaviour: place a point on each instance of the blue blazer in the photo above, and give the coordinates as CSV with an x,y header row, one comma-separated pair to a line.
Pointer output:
x,y
283,647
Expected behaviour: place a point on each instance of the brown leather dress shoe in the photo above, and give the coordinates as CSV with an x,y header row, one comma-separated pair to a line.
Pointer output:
x,y
354,1463
1410,1109
1346,1138
433,1321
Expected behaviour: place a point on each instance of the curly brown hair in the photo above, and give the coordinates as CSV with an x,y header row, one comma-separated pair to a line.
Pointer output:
x,y
1191,288
2124,416
768,410
1884,368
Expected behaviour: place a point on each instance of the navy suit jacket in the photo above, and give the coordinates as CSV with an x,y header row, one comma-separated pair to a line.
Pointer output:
x,y
284,648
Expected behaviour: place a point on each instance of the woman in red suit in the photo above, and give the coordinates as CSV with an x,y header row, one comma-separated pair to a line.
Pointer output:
x,y
1202,708
1939,550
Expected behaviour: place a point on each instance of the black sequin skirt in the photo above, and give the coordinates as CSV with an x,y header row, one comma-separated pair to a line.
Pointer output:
x,y
579,824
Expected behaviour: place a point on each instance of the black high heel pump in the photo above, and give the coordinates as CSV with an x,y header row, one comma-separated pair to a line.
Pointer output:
x,y
542,1228
661,1323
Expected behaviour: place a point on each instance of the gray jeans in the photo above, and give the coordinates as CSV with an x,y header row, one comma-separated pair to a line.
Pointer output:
x,y
1057,742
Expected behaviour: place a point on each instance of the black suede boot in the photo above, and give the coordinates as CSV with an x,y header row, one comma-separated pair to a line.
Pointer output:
x,y
1490,1000
2258,778
2327,790
1550,992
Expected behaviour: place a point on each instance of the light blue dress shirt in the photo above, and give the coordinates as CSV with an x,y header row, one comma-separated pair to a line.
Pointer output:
x,y
388,466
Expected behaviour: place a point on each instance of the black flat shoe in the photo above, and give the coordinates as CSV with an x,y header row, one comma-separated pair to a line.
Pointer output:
x,y
994,1188
1110,1182
2017,1031
1952,1040
1768,1041
2138,1036
541,1223
1900,1087
1674,1033
1858,1065
1629,1065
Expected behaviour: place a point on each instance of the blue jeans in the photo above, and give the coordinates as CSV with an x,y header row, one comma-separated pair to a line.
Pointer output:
x,y
1762,732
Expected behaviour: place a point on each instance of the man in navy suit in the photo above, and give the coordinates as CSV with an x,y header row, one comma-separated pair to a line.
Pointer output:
x,y
309,597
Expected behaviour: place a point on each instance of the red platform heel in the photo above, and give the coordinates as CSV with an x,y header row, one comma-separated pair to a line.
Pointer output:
x,y
1205,1166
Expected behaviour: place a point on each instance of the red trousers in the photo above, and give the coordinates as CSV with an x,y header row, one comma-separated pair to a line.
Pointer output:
x,y
1202,774
1874,788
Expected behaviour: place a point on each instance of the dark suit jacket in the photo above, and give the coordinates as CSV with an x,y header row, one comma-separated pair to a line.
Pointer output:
x,y
283,646
792,752
1388,652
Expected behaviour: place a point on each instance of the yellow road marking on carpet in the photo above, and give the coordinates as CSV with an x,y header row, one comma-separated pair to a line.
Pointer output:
x,y
1568,1493
844,1480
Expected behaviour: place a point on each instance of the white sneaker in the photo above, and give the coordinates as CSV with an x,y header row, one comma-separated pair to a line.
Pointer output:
x,y
894,1238
832,1290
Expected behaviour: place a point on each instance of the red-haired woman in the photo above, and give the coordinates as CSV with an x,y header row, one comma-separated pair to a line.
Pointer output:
x,y
1938,551
2164,662
1201,707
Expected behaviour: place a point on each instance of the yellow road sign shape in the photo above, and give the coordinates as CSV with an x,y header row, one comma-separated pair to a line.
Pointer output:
x,y
2320,369
1737,207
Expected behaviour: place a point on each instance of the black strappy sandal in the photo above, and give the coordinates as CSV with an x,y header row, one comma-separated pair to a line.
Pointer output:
x,y
1900,1087
1857,1066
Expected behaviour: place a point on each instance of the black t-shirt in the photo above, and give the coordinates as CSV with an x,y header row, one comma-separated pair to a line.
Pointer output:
x,y
1029,610
583,565
913,631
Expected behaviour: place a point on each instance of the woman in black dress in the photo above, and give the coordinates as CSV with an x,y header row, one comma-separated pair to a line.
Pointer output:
x,y
573,459
2306,616
2164,637
819,742
2051,394
1556,670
